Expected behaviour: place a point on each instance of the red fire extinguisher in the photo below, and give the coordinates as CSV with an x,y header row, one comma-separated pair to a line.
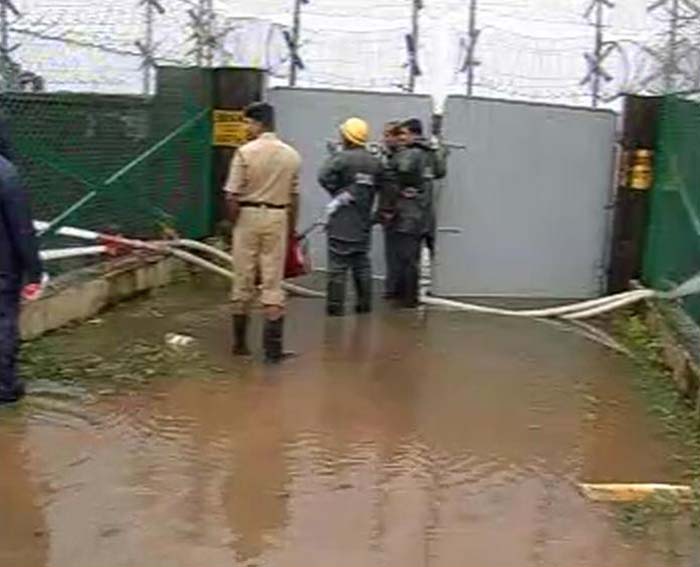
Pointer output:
x,y
298,257
298,260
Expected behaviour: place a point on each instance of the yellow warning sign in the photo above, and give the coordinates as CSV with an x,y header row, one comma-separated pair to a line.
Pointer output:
x,y
641,174
229,128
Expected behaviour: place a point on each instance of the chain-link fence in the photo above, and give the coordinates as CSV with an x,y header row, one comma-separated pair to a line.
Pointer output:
x,y
141,164
673,245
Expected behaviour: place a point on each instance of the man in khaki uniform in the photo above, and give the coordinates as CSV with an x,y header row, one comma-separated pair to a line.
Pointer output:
x,y
262,194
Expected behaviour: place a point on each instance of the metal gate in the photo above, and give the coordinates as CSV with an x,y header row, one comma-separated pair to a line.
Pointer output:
x,y
528,199
307,118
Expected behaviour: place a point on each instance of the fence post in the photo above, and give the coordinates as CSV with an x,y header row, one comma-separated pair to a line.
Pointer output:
x,y
640,124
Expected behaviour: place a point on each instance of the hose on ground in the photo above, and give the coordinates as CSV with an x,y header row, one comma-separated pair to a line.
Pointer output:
x,y
611,306
200,247
574,311
571,312
197,261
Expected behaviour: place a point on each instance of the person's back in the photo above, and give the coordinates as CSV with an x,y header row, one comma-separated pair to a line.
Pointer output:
x,y
262,197
10,265
271,167
359,172
18,255
19,264
352,177
413,167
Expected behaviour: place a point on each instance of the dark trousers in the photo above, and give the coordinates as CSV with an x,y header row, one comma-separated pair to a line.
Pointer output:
x,y
408,277
341,259
9,340
391,257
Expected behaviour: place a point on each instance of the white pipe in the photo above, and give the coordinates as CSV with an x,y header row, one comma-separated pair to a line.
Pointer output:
x,y
196,260
589,304
574,311
201,247
163,246
622,302
688,287
303,291
63,253
69,231
558,311
196,245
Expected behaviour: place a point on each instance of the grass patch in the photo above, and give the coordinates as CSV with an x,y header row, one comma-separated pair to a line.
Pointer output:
x,y
132,364
680,423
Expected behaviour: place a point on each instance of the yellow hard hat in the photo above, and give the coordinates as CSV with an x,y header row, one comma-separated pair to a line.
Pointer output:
x,y
355,131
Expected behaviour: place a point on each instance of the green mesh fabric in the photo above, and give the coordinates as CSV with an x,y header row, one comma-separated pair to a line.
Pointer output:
x,y
67,145
673,243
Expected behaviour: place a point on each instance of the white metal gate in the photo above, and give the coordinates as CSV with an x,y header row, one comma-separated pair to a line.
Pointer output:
x,y
529,198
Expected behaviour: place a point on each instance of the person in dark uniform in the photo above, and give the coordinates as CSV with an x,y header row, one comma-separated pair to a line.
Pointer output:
x,y
19,266
352,176
386,210
416,167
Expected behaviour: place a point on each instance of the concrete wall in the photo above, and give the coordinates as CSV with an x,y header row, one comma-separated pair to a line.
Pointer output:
x,y
81,296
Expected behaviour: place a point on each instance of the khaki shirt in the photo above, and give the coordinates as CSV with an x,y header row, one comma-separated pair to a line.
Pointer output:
x,y
265,170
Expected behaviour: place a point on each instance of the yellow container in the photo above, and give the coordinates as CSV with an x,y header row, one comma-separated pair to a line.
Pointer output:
x,y
641,174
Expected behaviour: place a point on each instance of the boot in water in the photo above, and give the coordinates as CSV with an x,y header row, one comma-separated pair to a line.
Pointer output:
x,y
240,335
12,394
273,340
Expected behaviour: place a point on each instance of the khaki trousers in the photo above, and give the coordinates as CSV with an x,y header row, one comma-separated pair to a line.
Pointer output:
x,y
259,247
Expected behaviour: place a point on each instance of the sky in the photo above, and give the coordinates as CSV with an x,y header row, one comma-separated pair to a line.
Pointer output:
x,y
528,49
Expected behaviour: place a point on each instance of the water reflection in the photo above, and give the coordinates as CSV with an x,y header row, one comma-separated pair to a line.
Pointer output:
x,y
394,440
23,531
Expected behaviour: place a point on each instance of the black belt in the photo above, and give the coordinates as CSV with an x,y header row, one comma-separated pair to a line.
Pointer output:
x,y
262,205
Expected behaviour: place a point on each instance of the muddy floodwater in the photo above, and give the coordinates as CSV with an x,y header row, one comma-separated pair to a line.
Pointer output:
x,y
398,439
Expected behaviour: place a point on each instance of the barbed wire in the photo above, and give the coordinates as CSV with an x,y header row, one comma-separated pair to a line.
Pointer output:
x,y
335,48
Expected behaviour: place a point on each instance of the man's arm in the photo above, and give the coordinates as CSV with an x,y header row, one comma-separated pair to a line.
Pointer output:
x,y
329,176
14,206
440,162
234,187
293,212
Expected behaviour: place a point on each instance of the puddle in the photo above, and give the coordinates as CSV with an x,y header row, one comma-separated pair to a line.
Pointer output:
x,y
397,439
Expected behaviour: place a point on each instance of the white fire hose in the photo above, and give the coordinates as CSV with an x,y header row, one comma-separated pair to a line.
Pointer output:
x,y
573,311
169,247
75,252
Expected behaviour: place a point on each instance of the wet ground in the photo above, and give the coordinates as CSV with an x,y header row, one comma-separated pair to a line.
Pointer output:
x,y
399,439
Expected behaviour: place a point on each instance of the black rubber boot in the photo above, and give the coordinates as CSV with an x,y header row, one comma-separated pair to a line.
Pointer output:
x,y
240,335
363,287
273,339
334,310
335,301
12,394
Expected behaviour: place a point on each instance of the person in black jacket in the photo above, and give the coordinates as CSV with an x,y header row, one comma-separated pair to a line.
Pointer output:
x,y
386,212
416,166
353,177
19,266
